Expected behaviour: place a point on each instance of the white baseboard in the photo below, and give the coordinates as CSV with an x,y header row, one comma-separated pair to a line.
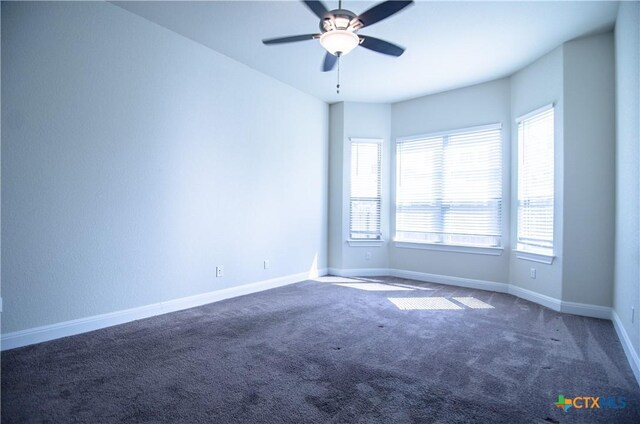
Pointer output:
x,y
593,311
583,309
359,272
451,281
69,328
632,355
421,276
540,299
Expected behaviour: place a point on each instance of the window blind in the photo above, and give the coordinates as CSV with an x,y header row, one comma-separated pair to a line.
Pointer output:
x,y
535,181
449,188
365,198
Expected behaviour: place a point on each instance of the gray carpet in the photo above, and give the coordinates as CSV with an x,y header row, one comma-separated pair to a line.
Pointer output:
x,y
321,353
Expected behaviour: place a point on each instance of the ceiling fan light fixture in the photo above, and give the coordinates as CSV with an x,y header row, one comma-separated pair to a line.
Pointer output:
x,y
339,42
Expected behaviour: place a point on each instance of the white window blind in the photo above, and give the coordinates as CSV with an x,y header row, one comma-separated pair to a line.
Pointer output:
x,y
535,181
449,188
365,198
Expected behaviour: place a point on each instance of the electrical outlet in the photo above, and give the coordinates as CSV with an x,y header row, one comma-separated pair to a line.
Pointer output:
x,y
367,256
219,271
532,273
267,264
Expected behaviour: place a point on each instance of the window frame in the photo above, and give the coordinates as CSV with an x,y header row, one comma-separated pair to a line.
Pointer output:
x,y
443,246
365,242
523,250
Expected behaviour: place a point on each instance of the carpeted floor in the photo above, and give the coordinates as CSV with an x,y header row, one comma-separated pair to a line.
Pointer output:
x,y
317,352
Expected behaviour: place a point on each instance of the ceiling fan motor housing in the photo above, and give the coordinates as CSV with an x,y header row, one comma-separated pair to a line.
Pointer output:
x,y
341,19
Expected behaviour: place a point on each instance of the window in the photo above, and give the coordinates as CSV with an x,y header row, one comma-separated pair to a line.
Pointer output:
x,y
365,199
535,181
449,188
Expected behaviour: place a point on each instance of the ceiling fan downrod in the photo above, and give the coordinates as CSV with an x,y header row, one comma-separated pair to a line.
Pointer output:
x,y
338,84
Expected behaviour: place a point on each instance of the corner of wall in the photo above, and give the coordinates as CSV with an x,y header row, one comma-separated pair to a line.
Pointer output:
x,y
336,160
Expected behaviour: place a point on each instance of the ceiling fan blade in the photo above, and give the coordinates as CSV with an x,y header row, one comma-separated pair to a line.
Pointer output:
x,y
380,46
329,62
290,39
317,7
382,11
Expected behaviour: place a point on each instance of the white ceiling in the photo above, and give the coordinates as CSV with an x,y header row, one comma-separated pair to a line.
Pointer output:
x,y
449,44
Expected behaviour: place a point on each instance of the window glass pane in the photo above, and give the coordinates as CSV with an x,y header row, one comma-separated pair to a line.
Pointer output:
x,y
535,182
418,189
365,199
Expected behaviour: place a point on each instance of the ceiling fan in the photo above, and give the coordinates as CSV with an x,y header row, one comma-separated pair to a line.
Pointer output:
x,y
339,29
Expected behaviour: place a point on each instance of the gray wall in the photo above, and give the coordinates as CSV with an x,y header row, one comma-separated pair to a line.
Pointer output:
x,y
539,84
589,174
134,161
627,271
466,107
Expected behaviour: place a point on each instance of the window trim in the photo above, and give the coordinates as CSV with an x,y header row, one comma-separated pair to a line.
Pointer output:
x,y
370,243
542,258
535,112
460,248
365,242
496,126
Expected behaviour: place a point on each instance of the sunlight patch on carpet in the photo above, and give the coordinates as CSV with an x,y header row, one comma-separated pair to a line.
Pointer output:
x,y
423,303
373,287
473,303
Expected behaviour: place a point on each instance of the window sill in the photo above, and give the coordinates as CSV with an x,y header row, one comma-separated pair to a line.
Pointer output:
x,y
535,257
476,250
368,243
